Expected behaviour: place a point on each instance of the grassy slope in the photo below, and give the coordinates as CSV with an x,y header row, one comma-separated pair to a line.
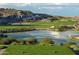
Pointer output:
x,y
56,23
38,50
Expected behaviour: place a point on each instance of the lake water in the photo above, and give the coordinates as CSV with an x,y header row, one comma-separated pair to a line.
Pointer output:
x,y
58,37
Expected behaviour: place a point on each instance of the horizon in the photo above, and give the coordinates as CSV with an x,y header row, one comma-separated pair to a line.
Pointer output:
x,y
54,9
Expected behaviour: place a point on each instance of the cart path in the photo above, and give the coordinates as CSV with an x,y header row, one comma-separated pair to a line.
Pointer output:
x,y
2,51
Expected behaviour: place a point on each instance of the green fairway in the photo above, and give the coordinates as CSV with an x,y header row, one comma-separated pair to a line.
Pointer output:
x,y
13,27
40,24
38,50
56,23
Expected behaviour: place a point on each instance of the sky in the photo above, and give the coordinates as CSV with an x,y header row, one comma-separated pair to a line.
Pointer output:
x,y
60,9
39,1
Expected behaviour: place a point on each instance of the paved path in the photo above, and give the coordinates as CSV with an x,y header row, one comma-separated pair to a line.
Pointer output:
x,y
2,51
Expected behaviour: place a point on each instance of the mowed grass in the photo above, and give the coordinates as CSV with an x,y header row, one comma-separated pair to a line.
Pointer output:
x,y
56,23
41,24
13,27
38,50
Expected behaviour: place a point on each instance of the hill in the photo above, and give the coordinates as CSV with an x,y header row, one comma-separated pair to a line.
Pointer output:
x,y
13,15
8,16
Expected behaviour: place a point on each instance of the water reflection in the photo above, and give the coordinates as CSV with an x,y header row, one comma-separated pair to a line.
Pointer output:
x,y
58,37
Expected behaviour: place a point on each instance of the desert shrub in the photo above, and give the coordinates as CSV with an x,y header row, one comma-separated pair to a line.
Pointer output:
x,y
47,41
18,42
26,41
30,41
7,41
64,28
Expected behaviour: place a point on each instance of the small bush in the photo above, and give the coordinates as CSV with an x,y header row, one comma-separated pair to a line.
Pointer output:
x,y
68,44
19,42
46,41
30,41
7,41
65,28
3,47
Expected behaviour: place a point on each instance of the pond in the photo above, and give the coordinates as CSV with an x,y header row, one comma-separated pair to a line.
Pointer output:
x,y
58,37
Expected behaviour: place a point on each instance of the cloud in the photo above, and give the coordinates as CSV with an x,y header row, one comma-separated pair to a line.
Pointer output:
x,y
58,7
22,4
14,4
39,1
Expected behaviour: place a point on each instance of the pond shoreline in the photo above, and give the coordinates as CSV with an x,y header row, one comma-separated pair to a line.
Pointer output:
x,y
14,31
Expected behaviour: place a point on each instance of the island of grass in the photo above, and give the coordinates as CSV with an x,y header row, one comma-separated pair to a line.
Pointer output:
x,y
38,50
